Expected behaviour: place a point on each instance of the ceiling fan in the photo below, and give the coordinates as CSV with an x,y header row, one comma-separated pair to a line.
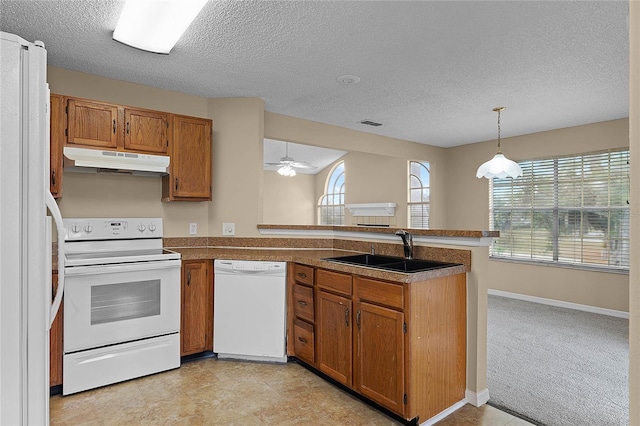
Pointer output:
x,y
287,165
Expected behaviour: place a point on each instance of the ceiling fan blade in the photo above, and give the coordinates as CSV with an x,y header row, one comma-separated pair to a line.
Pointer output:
x,y
273,164
302,165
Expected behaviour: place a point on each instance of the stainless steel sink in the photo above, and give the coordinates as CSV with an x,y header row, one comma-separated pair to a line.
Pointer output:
x,y
391,263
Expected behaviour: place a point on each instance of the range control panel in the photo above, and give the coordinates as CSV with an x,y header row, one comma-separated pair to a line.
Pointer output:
x,y
112,229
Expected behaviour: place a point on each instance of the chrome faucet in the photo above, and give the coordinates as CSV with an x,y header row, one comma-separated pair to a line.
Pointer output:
x,y
407,241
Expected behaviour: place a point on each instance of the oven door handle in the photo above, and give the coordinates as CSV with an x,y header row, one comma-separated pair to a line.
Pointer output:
x,y
57,218
123,267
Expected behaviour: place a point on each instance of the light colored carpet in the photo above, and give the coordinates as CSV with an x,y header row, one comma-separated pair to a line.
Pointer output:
x,y
558,366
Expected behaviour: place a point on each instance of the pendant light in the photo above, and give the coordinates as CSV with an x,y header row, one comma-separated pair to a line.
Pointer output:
x,y
499,166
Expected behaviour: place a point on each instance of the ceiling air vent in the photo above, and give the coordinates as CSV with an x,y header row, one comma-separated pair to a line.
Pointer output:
x,y
370,123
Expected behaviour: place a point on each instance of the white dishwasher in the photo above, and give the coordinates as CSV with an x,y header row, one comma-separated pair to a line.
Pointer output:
x,y
249,310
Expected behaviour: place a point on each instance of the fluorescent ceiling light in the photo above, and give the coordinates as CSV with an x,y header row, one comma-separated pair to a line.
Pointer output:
x,y
155,25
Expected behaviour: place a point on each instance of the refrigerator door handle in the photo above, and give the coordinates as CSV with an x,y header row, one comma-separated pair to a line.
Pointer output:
x,y
57,217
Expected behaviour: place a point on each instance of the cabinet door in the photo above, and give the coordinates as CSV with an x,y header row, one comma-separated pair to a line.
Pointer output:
x,y
146,130
196,325
55,342
190,176
379,361
93,123
334,337
57,126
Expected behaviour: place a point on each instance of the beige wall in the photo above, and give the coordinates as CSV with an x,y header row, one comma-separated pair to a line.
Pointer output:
x,y
467,206
288,200
387,167
237,164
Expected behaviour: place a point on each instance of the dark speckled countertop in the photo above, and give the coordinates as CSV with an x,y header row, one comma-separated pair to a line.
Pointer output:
x,y
312,257
313,251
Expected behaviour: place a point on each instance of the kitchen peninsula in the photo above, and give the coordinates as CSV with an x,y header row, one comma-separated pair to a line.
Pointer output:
x,y
402,340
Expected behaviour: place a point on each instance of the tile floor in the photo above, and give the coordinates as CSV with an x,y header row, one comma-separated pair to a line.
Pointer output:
x,y
212,392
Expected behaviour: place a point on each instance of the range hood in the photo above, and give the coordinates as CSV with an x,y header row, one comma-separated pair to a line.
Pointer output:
x,y
96,161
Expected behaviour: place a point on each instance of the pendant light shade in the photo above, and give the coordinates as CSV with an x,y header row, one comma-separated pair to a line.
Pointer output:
x,y
499,166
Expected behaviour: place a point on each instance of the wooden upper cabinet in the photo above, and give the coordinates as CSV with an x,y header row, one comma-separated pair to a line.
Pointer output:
x,y
93,124
57,126
190,168
146,130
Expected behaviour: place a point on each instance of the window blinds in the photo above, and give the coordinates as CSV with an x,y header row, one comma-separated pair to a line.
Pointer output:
x,y
569,210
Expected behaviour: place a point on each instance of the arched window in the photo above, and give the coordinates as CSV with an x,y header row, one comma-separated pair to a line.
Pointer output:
x,y
331,204
418,203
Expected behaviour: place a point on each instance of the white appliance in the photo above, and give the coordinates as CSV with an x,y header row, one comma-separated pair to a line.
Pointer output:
x,y
250,310
26,312
88,160
122,302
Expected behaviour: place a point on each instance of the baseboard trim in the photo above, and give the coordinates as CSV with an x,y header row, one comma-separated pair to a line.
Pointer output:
x,y
441,415
560,303
477,399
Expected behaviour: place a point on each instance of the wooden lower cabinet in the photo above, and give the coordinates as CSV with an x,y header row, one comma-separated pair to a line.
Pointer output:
x,y
196,319
303,341
334,334
379,360
401,345
56,348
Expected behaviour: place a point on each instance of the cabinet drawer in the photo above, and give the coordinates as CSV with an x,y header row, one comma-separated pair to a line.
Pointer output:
x,y
303,341
303,302
379,292
303,274
334,281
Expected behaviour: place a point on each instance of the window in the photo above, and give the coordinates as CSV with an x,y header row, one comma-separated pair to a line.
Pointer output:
x,y
418,204
331,204
569,210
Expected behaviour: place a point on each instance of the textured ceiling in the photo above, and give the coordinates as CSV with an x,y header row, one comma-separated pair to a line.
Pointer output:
x,y
431,72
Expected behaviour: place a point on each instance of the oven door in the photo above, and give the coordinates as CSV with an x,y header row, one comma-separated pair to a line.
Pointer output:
x,y
108,304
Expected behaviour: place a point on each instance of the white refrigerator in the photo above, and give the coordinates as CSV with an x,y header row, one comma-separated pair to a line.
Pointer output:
x,y
26,309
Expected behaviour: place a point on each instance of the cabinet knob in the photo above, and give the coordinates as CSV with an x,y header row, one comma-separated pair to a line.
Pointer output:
x,y
358,319
114,126
302,275
189,279
53,177
346,317
127,127
176,184
302,303
302,339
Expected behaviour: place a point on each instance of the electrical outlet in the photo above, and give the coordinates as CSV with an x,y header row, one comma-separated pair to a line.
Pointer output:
x,y
229,229
193,228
